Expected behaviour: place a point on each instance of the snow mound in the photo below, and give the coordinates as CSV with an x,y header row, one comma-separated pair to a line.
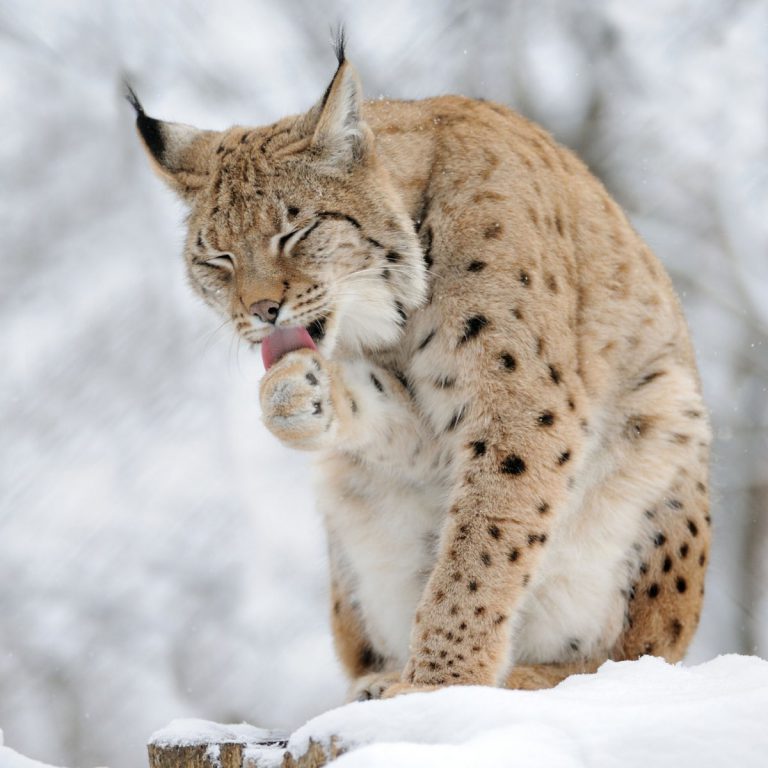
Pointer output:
x,y
628,714
11,759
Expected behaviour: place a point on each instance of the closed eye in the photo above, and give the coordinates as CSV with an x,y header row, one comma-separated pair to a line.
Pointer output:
x,y
220,262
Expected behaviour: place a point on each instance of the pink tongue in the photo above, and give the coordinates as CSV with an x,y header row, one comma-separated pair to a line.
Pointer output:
x,y
284,340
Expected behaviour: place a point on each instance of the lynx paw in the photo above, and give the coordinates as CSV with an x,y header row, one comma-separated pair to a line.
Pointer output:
x,y
296,403
372,686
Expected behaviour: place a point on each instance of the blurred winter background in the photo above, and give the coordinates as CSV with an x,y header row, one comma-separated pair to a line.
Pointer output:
x,y
159,553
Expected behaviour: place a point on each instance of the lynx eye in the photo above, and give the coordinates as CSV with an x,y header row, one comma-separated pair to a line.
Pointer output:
x,y
220,262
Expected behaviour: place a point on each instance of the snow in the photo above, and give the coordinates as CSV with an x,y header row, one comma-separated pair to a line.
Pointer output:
x,y
628,714
11,759
159,553
191,731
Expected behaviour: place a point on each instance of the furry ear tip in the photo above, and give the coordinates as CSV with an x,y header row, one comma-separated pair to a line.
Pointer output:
x,y
133,99
339,44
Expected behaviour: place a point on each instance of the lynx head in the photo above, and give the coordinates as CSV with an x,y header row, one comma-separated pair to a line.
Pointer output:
x,y
296,223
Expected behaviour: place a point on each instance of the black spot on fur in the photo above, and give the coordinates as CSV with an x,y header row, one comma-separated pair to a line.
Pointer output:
x,y
659,539
293,211
377,383
554,374
653,590
512,555
513,465
543,508
681,584
667,567
485,558
564,458
508,361
401,313
472,327
472,586
693,528
370,660
547,418
494,531
683,551
312,379
476,266
674,504
478,447
393,257
552,284
525,278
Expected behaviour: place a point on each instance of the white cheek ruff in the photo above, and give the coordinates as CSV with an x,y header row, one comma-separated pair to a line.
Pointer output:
x,y
368,315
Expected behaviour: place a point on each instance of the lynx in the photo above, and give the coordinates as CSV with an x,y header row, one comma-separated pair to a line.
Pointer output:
x,y
491,367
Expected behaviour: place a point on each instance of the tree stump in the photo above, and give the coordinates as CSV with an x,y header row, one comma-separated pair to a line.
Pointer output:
x,y
201,744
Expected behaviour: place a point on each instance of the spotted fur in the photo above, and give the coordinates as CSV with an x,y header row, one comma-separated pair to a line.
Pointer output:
x,y
504,401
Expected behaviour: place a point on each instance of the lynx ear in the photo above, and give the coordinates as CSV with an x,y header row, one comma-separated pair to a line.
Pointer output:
x,y
340,136
180,154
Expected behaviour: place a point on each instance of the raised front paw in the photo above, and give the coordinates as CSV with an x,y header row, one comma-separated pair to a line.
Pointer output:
x,y
296,403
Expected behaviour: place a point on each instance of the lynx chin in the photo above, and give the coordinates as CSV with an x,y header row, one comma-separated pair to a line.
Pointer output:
x,y
491,367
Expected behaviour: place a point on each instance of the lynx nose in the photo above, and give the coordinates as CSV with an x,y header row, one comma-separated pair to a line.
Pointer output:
x,y
266,310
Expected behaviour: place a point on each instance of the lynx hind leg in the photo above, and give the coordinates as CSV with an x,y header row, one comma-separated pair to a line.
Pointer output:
x,y
532,677
664,604
667,417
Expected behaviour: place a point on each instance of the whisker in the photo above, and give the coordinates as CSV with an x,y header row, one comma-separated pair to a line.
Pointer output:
x,y
210,335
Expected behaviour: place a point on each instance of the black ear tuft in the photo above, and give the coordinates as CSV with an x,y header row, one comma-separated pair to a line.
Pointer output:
x,y
149,128
339,43
133,99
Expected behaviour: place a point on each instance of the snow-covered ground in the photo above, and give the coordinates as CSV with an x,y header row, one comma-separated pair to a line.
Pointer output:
x,y
159,553
9,758
628,715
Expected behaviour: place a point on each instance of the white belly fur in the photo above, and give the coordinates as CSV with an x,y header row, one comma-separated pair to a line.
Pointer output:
x,y
388,533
